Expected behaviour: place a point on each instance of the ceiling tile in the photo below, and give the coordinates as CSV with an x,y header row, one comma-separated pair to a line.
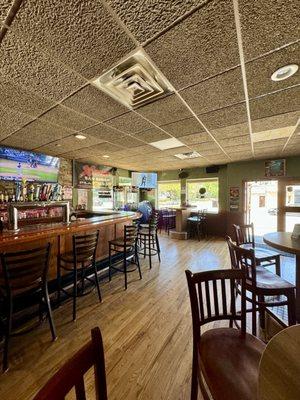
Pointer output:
x,y
36,134
195,138
147,18
129,123
83,33
184,127
267,25
238,147
67,118
218,159
94,103
152,135
227,116
4,8
128,141
207,148
165,110
194,49
259,71
69,144
104,148
241,155
103,132
275,103
22,100
21,62
11,120
275,122
217,92
231,131
236,141
270,143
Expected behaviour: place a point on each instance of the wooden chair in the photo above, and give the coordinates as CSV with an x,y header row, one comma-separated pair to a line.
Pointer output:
x,y
262,284
127,246
23,275
225,360
148,238
79,261
71,374
244,237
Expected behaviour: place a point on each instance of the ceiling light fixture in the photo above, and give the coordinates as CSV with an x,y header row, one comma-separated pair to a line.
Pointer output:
x,y
167,144
105,156
80,137
284,72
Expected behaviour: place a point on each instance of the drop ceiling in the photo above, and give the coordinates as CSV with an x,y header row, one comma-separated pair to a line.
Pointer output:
x,y
217,56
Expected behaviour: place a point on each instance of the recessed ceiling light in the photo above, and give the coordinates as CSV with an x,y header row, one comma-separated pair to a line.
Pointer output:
x,y
105,156
167,144
284,72
58,145
80,137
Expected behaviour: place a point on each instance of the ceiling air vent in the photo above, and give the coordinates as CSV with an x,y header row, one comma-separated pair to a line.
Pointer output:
x,y
188,156
134,82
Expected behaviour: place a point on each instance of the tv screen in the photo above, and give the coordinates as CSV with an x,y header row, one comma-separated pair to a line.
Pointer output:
x,y
34,167
144,180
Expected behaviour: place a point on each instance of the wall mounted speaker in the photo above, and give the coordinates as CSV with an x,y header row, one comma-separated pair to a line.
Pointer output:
x,y
213,169
183,174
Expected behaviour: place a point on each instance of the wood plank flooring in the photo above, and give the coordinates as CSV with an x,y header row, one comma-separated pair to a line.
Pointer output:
x,y
146,330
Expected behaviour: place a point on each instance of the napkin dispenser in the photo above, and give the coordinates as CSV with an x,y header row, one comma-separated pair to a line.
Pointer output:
x,y
296,232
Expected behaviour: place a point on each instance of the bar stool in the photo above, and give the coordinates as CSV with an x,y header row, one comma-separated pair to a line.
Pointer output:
x,y
23,275
244,237
198,223
127,246
148,238
78,261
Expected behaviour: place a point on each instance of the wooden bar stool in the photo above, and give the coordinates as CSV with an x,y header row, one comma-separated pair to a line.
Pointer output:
x,y
148,238
23,275
266,288
79,261
198,224
127,246
244,237
226,359
71,374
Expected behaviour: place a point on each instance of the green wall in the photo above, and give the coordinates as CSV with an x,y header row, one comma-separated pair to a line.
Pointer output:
x,y
233,174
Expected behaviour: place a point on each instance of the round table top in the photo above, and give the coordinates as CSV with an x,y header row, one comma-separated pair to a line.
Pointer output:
x,y
283,241
279,369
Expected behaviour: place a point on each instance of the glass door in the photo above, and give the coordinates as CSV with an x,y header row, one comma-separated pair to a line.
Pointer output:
x,y
289,205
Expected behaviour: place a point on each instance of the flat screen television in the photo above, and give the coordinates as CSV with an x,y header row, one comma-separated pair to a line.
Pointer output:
x,y
144,180
21,164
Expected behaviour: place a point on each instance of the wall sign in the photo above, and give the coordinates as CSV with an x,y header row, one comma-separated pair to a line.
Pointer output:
x,y
274,168
234,198
90,176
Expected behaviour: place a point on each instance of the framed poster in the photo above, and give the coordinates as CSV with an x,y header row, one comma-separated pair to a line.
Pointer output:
x,y
234,198
274,168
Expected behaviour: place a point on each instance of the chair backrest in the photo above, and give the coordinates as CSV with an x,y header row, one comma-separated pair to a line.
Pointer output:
x,y
212,297
154,219
130,235
24,269
71,374
242,259
244,234
84,246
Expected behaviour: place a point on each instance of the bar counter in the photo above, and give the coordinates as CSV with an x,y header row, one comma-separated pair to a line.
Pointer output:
x,y
60,234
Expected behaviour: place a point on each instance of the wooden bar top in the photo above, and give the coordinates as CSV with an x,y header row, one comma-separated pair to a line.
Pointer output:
x,y
39,231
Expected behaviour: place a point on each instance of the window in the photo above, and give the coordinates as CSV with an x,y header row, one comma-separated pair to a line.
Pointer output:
x,y
168,194
204,194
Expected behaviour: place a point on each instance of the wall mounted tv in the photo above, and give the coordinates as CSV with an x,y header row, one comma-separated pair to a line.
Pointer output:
x,y
144,180
21,164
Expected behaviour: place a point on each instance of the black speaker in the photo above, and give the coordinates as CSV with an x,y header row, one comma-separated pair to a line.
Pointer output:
x,y
213,169
183,174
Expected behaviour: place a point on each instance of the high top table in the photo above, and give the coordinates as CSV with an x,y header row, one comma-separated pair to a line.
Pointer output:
x,y
283,241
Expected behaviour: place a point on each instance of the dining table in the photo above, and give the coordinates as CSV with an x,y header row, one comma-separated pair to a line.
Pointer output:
x,y
285,242
279,369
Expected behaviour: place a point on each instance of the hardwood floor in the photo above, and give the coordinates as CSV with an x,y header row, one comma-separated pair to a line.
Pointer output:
x,y
146,330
